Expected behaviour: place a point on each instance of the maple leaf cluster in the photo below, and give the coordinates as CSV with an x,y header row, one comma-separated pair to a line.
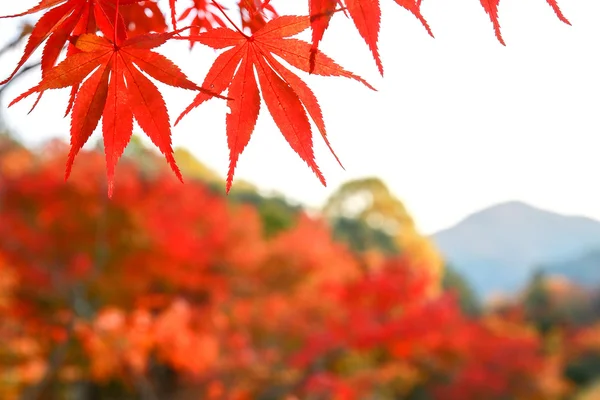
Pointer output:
x,y
109,59
178,286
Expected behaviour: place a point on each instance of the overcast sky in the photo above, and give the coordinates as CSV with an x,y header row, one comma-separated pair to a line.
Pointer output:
x,y
459,122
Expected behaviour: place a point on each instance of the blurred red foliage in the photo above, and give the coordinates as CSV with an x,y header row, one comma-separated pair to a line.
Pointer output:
x,y
171,277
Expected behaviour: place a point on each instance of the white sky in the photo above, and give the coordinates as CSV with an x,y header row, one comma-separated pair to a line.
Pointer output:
x,y
458,123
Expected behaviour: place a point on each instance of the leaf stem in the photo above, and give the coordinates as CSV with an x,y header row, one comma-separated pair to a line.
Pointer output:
x,y
116,21
229,19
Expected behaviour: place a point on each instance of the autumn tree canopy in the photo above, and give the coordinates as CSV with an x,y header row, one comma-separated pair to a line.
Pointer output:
x,y
175,291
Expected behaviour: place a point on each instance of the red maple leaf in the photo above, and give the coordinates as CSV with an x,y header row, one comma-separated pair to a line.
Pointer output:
x,y
143,17
366,15
287,97
63,18
491,8
320,12
202,15
117,91
255,14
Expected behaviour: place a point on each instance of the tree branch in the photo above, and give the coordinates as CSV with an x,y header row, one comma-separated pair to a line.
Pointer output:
x,y
15,42
23,70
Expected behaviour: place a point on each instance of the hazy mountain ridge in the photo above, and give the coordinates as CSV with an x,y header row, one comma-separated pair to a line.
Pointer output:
x,y
498,248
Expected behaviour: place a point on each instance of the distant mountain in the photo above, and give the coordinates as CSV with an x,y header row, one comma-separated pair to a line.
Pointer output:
x,y
584,269
496,249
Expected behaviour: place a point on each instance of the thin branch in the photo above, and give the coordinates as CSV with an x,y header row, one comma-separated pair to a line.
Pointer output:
x,y
229,19
15,42
10,45
116,22
23,70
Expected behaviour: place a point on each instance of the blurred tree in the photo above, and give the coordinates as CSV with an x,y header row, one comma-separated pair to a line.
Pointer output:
x,y
453,281
584,370
582,366
553,300
193,168
538,303
275,212
369,200
361,237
